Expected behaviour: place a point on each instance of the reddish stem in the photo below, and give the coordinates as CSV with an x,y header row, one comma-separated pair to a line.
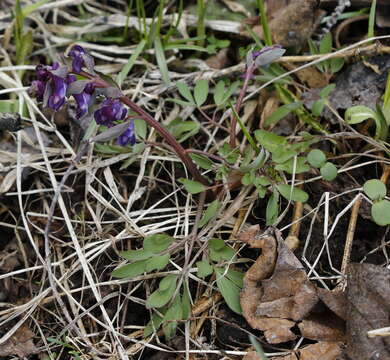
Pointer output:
x,y
233,123
180,151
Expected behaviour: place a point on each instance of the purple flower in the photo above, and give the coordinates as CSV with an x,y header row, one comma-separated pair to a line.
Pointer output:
x,y
83,100
265,56
77,54
128,137
110,111
57,97
50,86
37,89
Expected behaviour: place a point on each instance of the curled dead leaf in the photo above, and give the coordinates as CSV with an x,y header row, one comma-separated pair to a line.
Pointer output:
x,y
323,327
19,344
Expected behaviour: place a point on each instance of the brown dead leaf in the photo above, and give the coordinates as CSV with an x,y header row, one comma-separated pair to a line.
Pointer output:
x,y
219,60
277,294
321,351
276,330
19,344
270,106
9,259
335,301
252,355
311,76
323,327
291,24
368,294
269,302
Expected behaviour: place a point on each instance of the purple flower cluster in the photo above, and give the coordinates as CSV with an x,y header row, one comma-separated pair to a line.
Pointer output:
x,y
51,84
55,83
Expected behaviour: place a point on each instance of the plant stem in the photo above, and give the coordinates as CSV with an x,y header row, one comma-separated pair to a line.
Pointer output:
x,y
233,123
200,30
180,151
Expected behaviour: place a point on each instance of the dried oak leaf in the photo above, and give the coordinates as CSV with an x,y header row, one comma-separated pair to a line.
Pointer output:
x,y
252,355
335,301
368,294
19,344
276,289
323,327
321,351
293,23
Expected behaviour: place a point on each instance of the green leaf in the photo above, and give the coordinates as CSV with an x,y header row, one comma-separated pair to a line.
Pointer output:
x,y
371,19
264,181
165,292
281,112
229,290
336,64
220,251
157,242
292,193
161,61
25,48
272,209
282,154
185,91
182,130
219,93
259,349
185,47
261,190
130,270
230,91
204,268
288,166
375,189
140,128
130,63
174,312
313,47
202,161
157,262
216,244
210,212
192,186
28,9
226,253
316,158
153,324
201,91
9,106
110,149
180,102
236,277
358,114
229,154
243,128
269,140
186,302
329,171
318,107
133,255
380,212
325,92
248,178
326,43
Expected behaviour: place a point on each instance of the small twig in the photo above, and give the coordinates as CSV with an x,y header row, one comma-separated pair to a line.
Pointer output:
x,y
350,234
292,240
